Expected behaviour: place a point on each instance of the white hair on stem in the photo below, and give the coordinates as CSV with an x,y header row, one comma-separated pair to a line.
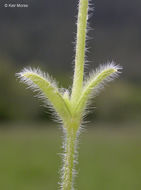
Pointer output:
x,y
94,83
71,109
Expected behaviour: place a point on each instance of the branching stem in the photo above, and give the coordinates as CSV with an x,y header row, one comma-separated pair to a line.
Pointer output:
x,y
70,107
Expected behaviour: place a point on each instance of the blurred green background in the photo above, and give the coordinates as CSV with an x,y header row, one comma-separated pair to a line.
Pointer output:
x,y
110,147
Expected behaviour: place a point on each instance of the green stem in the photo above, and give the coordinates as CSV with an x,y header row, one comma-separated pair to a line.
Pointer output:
x,y
80,50
69,160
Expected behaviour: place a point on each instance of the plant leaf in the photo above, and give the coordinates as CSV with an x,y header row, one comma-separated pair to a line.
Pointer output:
x,y
95,82
42,83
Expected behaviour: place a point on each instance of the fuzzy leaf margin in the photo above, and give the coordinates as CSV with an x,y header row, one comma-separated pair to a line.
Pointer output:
x,y
47,89
95,82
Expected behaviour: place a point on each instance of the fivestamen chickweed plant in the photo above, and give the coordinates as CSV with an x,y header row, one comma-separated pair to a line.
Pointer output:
x,y
70,106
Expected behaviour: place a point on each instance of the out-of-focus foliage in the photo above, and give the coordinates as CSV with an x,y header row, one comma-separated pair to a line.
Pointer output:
x,y
109,159
120,103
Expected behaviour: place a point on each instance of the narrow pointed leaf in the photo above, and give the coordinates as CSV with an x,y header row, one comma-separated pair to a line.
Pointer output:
x,y
42,83
95,82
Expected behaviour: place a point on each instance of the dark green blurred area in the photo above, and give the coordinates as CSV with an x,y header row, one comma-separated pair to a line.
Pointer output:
x,y
109,159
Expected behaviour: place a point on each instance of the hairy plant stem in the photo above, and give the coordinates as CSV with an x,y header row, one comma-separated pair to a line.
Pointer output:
x,y
71,107
80,50
67,183
70,146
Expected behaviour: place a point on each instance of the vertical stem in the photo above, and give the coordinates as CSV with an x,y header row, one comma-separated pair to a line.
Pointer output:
x,y
80,50
70,146
67,182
